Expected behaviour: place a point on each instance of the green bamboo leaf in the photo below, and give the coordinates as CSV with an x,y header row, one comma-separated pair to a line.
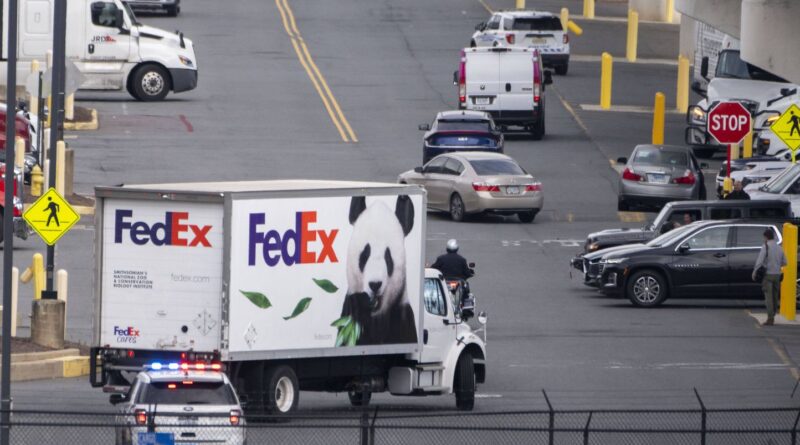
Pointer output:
x,y
326,285
339,338
341,322
301,307
257,298
356,332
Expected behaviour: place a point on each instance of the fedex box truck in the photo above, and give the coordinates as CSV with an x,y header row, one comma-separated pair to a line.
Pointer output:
x,y
286,285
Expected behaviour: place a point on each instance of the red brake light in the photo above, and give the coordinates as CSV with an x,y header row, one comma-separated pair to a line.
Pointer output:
x,y
687,178
462,79
566,38
141,417
629,175
131,354
535,187
537,77
484,187
188,382
171,386
510,39
235,416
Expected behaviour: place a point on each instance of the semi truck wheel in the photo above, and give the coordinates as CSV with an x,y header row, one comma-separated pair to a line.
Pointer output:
x,y
151,83
359,398
464,384
283,390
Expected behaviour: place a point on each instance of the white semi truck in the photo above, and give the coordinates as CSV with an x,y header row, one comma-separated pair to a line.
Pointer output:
x,y
110,47
286,285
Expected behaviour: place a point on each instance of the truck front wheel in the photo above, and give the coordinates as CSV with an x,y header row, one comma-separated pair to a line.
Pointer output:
x,y
359,398
283,390
150,83
464,383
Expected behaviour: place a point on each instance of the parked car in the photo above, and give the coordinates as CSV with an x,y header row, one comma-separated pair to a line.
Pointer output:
x,y
171,7
752,170
460,130
189,405
703,259
657,174
784,185
532,29
464,183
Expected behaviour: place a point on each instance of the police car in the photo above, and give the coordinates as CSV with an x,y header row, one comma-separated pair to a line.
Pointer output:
x,y
179,403
530,29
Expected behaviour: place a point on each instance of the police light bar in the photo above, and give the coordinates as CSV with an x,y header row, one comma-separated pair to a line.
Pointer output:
x,y
184,366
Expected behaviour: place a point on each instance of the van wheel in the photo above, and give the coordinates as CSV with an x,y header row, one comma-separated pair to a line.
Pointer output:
x,y
359,398
537,131
561,70
457,210
150,83
622,205
647,288
464,383
283,390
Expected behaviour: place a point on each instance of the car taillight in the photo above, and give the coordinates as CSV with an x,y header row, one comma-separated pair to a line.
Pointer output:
x,y
687,178
537,78
565,39
629,175
484,187
141,417
462,79
510,39
535,187
235,416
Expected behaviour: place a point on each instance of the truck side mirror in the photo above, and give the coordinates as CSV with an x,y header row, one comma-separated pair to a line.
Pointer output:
x,y
704,67
622,160
115,399
455,77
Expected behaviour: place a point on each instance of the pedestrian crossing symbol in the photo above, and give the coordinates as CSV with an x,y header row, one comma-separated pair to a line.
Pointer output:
x,y
787,127
51,216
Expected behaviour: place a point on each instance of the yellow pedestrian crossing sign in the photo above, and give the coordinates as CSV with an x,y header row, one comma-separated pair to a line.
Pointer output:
x,y
787,127
51,216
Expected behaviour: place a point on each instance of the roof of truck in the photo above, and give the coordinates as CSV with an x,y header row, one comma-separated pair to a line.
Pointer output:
x,y
260,186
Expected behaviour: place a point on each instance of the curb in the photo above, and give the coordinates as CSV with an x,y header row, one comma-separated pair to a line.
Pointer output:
x,y
84,126
83,210
66,363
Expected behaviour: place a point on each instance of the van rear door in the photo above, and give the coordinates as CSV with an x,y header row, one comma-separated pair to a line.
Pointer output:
x,y
516,81
483,79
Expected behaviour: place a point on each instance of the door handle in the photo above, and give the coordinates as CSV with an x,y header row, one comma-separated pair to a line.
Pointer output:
x,y
508,87
91,48
719,255
425,336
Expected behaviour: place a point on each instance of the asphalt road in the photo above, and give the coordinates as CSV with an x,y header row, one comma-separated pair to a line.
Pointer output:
x,y
256,115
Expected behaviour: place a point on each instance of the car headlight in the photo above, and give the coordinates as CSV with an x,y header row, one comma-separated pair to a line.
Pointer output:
x,y
186,61
592,247
613,260
698,115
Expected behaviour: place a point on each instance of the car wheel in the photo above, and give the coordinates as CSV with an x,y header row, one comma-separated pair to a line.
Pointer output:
x,y
647,288
464,383
537,130
561,70
172,11
704,153
283,390
151,83
359,398
457,210
527,217
623,205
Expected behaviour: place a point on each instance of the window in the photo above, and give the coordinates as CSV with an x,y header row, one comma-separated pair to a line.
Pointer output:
x,y
187,393
104,14
461,140
751,236
453,167
767,212
680,218
435,302
496,167
712,238
435,166
655,156
537,24
494,23
725,213
463,125
794,189
507,23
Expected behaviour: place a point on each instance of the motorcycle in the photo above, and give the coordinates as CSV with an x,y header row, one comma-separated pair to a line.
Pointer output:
x,y
463,297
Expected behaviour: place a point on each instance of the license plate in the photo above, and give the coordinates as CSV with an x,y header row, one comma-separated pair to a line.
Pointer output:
x,y
156,439
657,178
481,101
512,190
538,40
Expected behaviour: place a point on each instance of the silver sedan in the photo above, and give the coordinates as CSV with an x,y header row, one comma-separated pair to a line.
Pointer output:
x,y
463,183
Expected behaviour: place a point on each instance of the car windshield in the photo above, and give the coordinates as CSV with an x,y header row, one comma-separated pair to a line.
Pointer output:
x,y
654,156
188,393
782,180
537,24
461,140
659,218
496,167
730,65
463,125
670,236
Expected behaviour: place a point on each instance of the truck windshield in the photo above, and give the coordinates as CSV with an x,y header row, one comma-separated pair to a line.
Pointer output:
x,y
187,393
731,66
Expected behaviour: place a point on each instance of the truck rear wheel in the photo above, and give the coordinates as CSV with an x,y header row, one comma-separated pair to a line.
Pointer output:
x,y
359,398
464,383
150,83
283,390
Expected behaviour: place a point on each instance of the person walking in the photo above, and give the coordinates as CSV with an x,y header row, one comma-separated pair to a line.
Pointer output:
x,y
768,270
738,192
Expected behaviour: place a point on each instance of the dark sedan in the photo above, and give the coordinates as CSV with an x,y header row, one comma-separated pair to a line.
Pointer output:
x,y
702,259
461,130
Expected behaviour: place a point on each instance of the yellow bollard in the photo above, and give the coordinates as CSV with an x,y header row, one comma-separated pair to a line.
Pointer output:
x,y
734,148
520,4
35,271
69,107
62,291
727,185
37,181
670,11
658,120
564,17
633,35
748,142
574,28
61,155
789,284
682,95
588,9
605,81
19,152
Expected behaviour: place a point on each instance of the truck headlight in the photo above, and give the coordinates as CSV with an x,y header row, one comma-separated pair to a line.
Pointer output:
x,y
698,116
771,120
186,61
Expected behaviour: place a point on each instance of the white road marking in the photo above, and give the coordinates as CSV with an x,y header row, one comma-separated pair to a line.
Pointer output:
x,y
488,396
560,242
688,366
641,109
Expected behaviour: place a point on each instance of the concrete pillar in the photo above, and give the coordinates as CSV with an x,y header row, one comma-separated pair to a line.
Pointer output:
x,y
47,323
770,36
653,10
724,15
688,38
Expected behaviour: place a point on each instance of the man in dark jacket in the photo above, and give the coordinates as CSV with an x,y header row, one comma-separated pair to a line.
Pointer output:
x,y
738,192
451,264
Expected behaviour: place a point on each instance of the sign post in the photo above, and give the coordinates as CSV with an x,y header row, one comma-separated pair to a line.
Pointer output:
x,y
729,123
787,127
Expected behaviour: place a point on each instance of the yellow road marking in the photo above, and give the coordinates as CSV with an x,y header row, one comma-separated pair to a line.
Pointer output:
x,y
317,79
488,8
784,358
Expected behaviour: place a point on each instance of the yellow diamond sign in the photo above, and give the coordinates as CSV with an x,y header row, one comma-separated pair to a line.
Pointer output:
x,y
51,216
787,127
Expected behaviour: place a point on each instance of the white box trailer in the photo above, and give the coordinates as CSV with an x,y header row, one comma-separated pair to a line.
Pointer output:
x,y
109,46
313,285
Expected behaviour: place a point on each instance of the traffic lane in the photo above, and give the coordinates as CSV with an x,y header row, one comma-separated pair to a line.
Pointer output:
x,y
656,40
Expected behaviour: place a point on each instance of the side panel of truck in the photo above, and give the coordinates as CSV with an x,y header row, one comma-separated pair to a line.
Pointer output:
x,y
300,265
160,274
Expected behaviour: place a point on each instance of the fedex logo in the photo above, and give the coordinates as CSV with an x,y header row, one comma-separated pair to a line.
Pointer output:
x,y
293,245
173,231
129,331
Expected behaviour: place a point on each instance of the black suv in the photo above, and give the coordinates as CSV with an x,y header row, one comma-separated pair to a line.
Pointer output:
x,y
702,259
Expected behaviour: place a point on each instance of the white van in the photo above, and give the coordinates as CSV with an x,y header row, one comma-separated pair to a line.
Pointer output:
x,y
109,46
508,83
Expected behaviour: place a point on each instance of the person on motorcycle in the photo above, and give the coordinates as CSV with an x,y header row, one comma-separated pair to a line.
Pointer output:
x,y
451,264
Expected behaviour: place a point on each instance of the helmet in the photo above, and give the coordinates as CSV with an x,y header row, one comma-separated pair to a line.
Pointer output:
x,y
452,245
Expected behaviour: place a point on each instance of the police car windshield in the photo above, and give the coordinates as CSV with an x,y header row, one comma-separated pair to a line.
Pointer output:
x,y
670,236
187,393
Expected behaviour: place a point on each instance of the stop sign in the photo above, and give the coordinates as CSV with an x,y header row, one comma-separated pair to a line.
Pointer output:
x,y
729,122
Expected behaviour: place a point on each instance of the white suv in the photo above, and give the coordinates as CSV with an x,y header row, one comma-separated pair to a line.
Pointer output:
x,y
530,29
